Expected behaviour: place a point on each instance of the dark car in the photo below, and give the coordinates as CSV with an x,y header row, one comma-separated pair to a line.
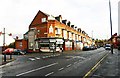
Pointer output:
x,y
92,47
85,48
18,52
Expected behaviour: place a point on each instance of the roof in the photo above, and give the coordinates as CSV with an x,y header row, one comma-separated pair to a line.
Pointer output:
x,y
43,13
26,33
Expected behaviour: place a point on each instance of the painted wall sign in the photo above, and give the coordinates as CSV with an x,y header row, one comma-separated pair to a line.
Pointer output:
x,y
51,29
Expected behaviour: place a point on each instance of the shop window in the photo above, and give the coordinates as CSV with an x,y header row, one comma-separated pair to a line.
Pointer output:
x,y
31,45
58,31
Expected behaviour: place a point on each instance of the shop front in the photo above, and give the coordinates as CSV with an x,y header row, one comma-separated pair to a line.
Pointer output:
x,y
50,44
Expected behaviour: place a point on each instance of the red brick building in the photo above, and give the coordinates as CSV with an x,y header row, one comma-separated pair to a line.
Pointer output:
x,y
47,30
115,40
21,44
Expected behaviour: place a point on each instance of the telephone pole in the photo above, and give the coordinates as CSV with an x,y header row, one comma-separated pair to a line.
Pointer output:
x,y
111,27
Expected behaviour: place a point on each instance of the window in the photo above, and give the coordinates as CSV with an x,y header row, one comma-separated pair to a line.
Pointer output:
x,y
58,31
43,19
20,44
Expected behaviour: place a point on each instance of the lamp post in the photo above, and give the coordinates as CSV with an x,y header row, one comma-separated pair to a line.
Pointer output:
x,y
111,27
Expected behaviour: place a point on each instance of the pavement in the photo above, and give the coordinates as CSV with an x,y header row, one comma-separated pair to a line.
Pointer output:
x,y
110,67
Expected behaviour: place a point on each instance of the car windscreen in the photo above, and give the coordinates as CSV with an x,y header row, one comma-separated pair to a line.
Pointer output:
x,y
107,45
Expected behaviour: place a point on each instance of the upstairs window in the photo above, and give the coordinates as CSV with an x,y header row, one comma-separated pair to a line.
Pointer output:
x,y
43,19
20,44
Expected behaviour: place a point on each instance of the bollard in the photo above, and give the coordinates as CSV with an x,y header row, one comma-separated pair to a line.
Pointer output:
x,y
10,56
4,57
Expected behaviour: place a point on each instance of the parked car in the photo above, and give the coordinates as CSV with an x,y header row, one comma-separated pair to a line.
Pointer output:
x,y
19,52
85,48
8,51
107,47
92,47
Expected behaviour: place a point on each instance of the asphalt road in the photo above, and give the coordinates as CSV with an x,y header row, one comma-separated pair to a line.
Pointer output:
x,y
60,64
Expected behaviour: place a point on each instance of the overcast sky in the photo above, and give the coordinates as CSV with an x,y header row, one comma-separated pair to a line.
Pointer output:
x,y
89,15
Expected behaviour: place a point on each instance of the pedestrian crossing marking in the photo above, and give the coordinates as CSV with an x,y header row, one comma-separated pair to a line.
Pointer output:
x,y
32,59
37,58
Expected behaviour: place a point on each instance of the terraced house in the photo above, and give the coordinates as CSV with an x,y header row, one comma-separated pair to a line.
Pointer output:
x,y
48,33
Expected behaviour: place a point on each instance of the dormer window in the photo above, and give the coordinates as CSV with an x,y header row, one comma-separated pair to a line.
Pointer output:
x,y
43,19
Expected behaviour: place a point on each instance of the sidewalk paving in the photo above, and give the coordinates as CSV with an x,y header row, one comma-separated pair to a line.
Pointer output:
x,y
110,67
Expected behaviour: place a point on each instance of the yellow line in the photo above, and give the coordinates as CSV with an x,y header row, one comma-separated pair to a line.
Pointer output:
x,y
87,74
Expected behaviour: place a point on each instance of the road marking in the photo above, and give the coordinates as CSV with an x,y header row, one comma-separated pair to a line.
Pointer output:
x,y
32,59
69,59
2,66
46,56
61,69
36,69
75,62
49,74
37,58
87,74
2,72
69,65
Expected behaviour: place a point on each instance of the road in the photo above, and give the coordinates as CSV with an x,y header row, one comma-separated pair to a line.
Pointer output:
x,y
60,64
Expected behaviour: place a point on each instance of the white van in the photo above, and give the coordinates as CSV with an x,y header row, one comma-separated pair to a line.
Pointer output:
x,y
108,47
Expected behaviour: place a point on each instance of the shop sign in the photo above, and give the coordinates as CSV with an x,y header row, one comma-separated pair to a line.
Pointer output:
x,y
51,29
59,41
52,40
44,40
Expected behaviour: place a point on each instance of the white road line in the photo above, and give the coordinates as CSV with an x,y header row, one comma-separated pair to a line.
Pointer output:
x,y
60,69
2,66
36,69
75,62
49,74
32,59
37,58
69,59
46,56
69,65
43,57
2,72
